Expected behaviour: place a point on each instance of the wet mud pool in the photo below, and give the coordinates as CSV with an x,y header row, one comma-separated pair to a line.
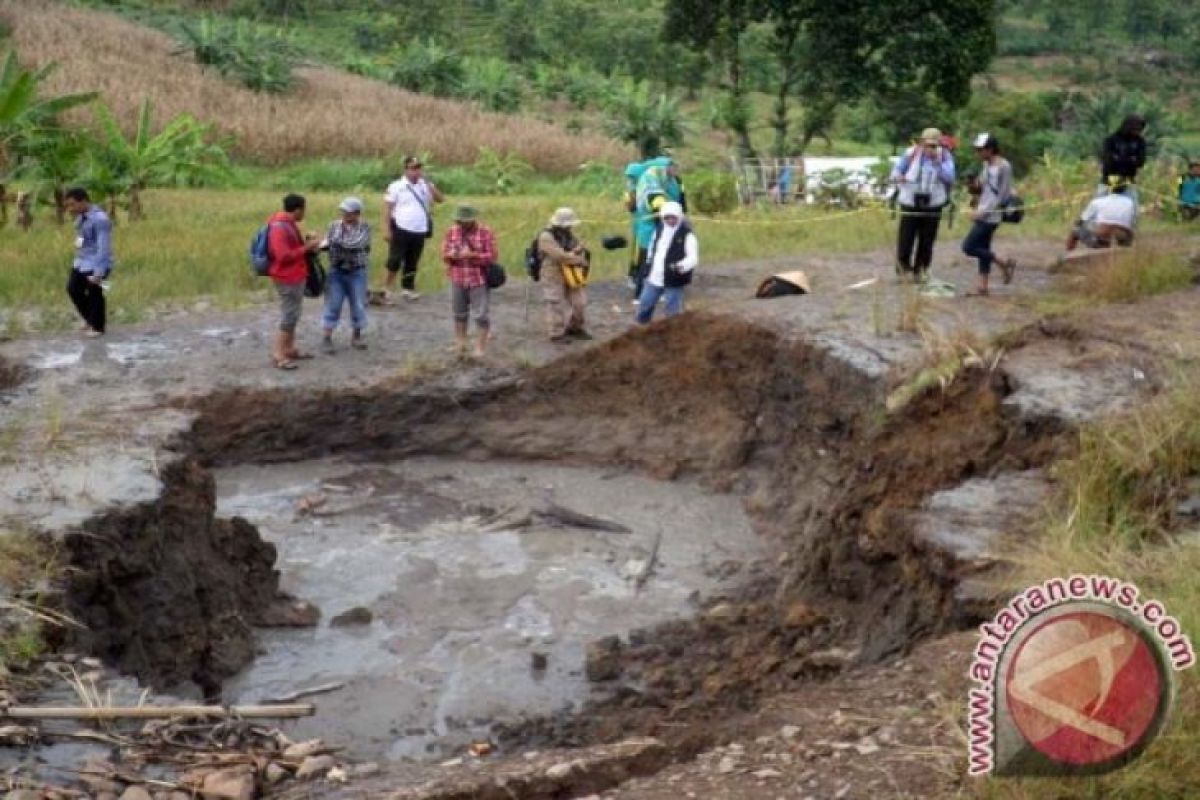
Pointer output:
x,y
481,605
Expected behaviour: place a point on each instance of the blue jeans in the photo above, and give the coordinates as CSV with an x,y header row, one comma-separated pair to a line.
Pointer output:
x,y
343,286
978,244
649,299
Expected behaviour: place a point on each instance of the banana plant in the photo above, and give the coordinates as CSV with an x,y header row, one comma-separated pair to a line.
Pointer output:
x,y
182,153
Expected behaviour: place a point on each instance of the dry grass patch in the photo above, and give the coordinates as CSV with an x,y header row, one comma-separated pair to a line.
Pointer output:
x,y
328,113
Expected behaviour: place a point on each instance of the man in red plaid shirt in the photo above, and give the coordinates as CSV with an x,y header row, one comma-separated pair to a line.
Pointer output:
x,y
468,250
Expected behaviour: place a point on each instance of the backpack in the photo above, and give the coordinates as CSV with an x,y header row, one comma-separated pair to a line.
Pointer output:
x,y
260,251
533,260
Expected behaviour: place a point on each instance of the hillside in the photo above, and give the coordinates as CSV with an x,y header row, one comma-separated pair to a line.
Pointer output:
x,y
329,112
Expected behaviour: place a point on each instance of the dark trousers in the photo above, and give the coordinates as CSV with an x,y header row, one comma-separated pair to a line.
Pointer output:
x,y
638,271
978,244
404,253
918,230
88,298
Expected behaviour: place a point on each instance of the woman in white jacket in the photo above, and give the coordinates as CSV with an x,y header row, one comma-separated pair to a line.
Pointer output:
x,y
924,177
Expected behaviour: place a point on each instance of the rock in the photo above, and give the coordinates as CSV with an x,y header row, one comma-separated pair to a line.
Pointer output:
x,y
538,662
274,773
726,765
232,783
801,616
136,793
603,659
288,612
301,750
365,770
767,773
866,746
721,612
452,762
315,767
1189,507
789,732
833,658
354,616
560,771
337,775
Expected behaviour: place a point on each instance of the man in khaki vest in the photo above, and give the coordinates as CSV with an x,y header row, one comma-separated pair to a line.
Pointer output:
x,y
565,264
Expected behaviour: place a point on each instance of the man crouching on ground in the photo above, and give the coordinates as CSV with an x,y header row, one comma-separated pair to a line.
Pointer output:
x,y
1107,219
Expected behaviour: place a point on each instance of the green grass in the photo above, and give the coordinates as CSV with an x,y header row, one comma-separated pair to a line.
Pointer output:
x,y
28,566
193,244
1114,516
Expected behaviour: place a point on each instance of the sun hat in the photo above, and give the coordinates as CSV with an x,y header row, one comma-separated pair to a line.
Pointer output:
x,y
464,214
931,136
351,205
564,218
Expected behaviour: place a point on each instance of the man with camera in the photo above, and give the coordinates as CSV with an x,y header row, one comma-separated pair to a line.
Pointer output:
x,y
924,177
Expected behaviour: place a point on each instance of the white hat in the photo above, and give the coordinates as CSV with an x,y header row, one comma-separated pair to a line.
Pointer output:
x,y
351,205
984,140
671,209
564,218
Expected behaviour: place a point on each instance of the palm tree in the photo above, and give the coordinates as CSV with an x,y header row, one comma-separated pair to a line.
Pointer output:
x,y
26,118
180,153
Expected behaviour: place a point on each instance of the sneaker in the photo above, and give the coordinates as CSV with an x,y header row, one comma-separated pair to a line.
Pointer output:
x,y
580,334
327,346
409,294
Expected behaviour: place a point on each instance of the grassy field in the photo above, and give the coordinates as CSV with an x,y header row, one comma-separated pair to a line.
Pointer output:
x,y
330,113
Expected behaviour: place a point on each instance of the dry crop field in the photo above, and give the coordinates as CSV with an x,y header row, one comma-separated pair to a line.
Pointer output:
x,y
328,113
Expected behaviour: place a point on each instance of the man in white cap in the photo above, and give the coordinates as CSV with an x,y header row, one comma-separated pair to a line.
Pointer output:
x,y
671,259
924,178
995,188
349,244
565,263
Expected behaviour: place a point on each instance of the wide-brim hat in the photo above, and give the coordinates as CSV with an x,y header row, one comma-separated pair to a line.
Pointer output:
x,y
931,136
465,214
564,218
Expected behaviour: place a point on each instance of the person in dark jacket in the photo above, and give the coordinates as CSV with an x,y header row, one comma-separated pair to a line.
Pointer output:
x,y
671,259
1123,154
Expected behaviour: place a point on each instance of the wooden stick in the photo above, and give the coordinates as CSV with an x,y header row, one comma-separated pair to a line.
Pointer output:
x,y
158,712
307,692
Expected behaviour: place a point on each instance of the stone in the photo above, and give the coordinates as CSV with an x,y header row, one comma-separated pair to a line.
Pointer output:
x,y
315,767
337,775
603,661
538,662
867,746
559,771
801,616
365,769
136,793
233,783
833,658
354,616
274,773
301,750
726,765
764,774
721,612
288,612
789,732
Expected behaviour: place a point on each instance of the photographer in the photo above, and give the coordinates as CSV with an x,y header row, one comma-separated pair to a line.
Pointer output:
x,y
924,177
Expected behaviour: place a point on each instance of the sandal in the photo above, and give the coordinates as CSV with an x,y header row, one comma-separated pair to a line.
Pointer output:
x,y
298,356
286,363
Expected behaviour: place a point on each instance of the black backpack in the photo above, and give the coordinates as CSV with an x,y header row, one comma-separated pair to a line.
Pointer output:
x,y
533,259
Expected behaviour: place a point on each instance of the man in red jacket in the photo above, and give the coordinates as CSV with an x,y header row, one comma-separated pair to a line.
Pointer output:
x,y
288,251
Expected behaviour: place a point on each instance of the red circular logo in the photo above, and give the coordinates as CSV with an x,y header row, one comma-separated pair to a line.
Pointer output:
x,y
1085,688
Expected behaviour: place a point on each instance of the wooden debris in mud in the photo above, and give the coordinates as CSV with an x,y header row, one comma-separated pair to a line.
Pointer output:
x,y
553,513
282,711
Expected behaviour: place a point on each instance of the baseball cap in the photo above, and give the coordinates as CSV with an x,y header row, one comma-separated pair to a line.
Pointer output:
x,y
984,140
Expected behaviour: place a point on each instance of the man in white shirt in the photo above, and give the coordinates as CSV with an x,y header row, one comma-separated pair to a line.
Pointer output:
x,y
407,223
1107,219
671,259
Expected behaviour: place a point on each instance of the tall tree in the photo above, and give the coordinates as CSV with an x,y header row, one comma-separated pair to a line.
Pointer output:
x,y
718,26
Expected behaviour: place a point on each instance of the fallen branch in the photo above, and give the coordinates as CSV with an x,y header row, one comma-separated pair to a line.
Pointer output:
x,y
153,712
310,691
577,520
644,574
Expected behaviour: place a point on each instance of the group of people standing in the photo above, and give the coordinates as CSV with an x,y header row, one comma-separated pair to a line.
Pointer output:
x,y
667,261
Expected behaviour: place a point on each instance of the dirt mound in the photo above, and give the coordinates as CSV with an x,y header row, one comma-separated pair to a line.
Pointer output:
x,y
167,592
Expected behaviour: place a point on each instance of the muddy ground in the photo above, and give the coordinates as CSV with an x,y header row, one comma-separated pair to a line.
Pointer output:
x,y
875,526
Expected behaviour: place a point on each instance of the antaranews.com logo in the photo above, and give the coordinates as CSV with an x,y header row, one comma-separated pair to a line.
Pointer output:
x,y
1074,676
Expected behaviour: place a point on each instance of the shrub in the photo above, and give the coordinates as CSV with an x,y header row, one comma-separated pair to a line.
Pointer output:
x,y
429,68
260,59
648,121
492,84
503,172
711,192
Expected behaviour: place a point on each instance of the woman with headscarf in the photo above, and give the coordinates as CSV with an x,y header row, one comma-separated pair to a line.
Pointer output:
x,y
349,243
671,260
